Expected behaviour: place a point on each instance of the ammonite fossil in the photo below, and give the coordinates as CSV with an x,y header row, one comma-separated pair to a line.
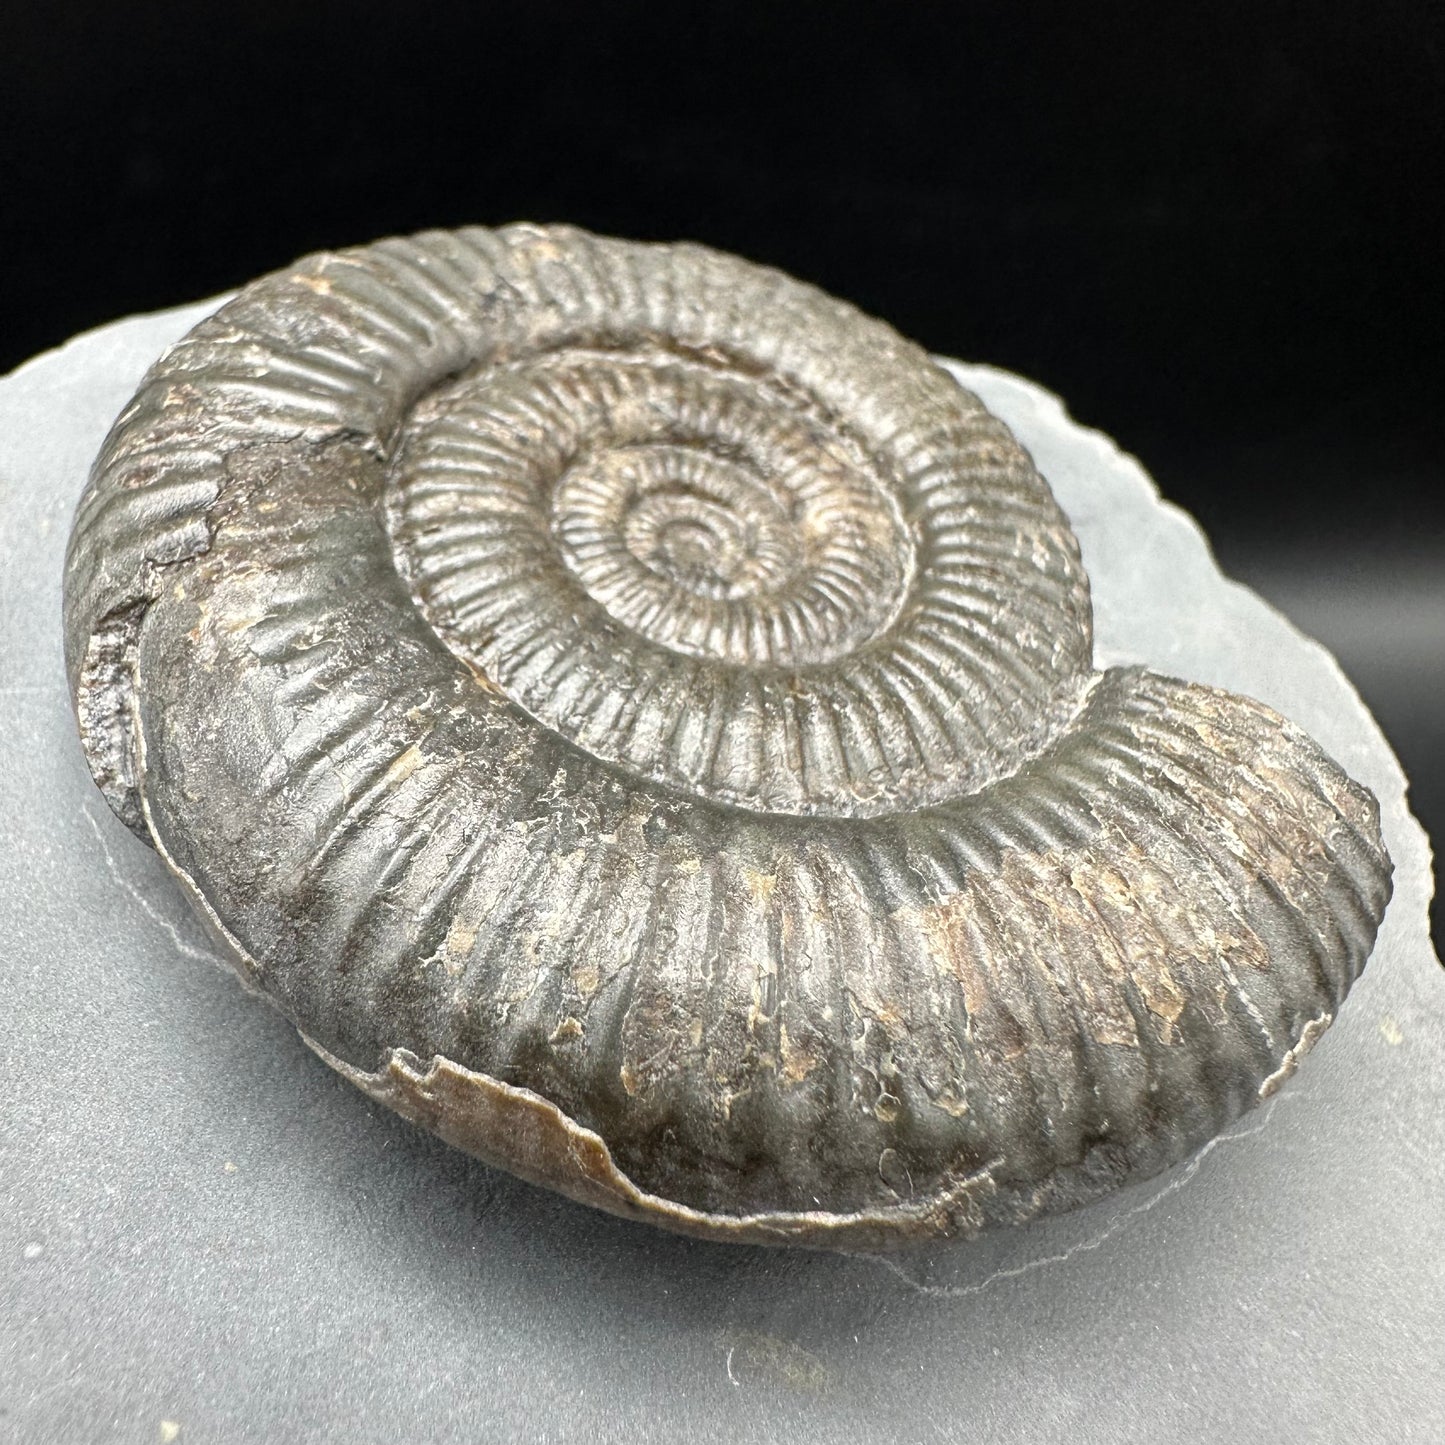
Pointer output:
x,y
635,715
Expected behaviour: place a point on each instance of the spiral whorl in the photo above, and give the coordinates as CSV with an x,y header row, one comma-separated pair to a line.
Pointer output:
x,y
663,525
635,714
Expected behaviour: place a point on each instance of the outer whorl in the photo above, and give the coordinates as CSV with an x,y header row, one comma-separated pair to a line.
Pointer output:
x,y
635,715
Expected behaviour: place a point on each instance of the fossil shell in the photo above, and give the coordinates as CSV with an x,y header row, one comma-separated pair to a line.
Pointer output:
x,y
635,715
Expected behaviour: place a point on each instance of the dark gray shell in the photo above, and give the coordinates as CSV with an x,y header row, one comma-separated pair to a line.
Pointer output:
x,y
635,715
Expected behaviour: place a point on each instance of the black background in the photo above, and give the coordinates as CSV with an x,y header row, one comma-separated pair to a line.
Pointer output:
x,y
1214,229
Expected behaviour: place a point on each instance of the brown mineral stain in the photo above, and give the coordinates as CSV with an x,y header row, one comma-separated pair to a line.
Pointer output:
x,y
798,1061
1246,948
457,945
764,991
586,979
950,1102
886,1108
946,932
943,926
483,681
887,1014
404,765
1154,935
569,1028
1166,1002
203,616
761,886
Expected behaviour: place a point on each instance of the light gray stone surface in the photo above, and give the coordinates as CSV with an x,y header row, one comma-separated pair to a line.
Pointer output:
x,y
203,1229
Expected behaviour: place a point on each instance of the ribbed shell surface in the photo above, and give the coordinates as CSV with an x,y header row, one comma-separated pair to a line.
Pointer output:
x,y
635,715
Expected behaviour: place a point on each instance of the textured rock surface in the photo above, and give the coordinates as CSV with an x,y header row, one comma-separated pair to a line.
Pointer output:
x,y
202,1225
